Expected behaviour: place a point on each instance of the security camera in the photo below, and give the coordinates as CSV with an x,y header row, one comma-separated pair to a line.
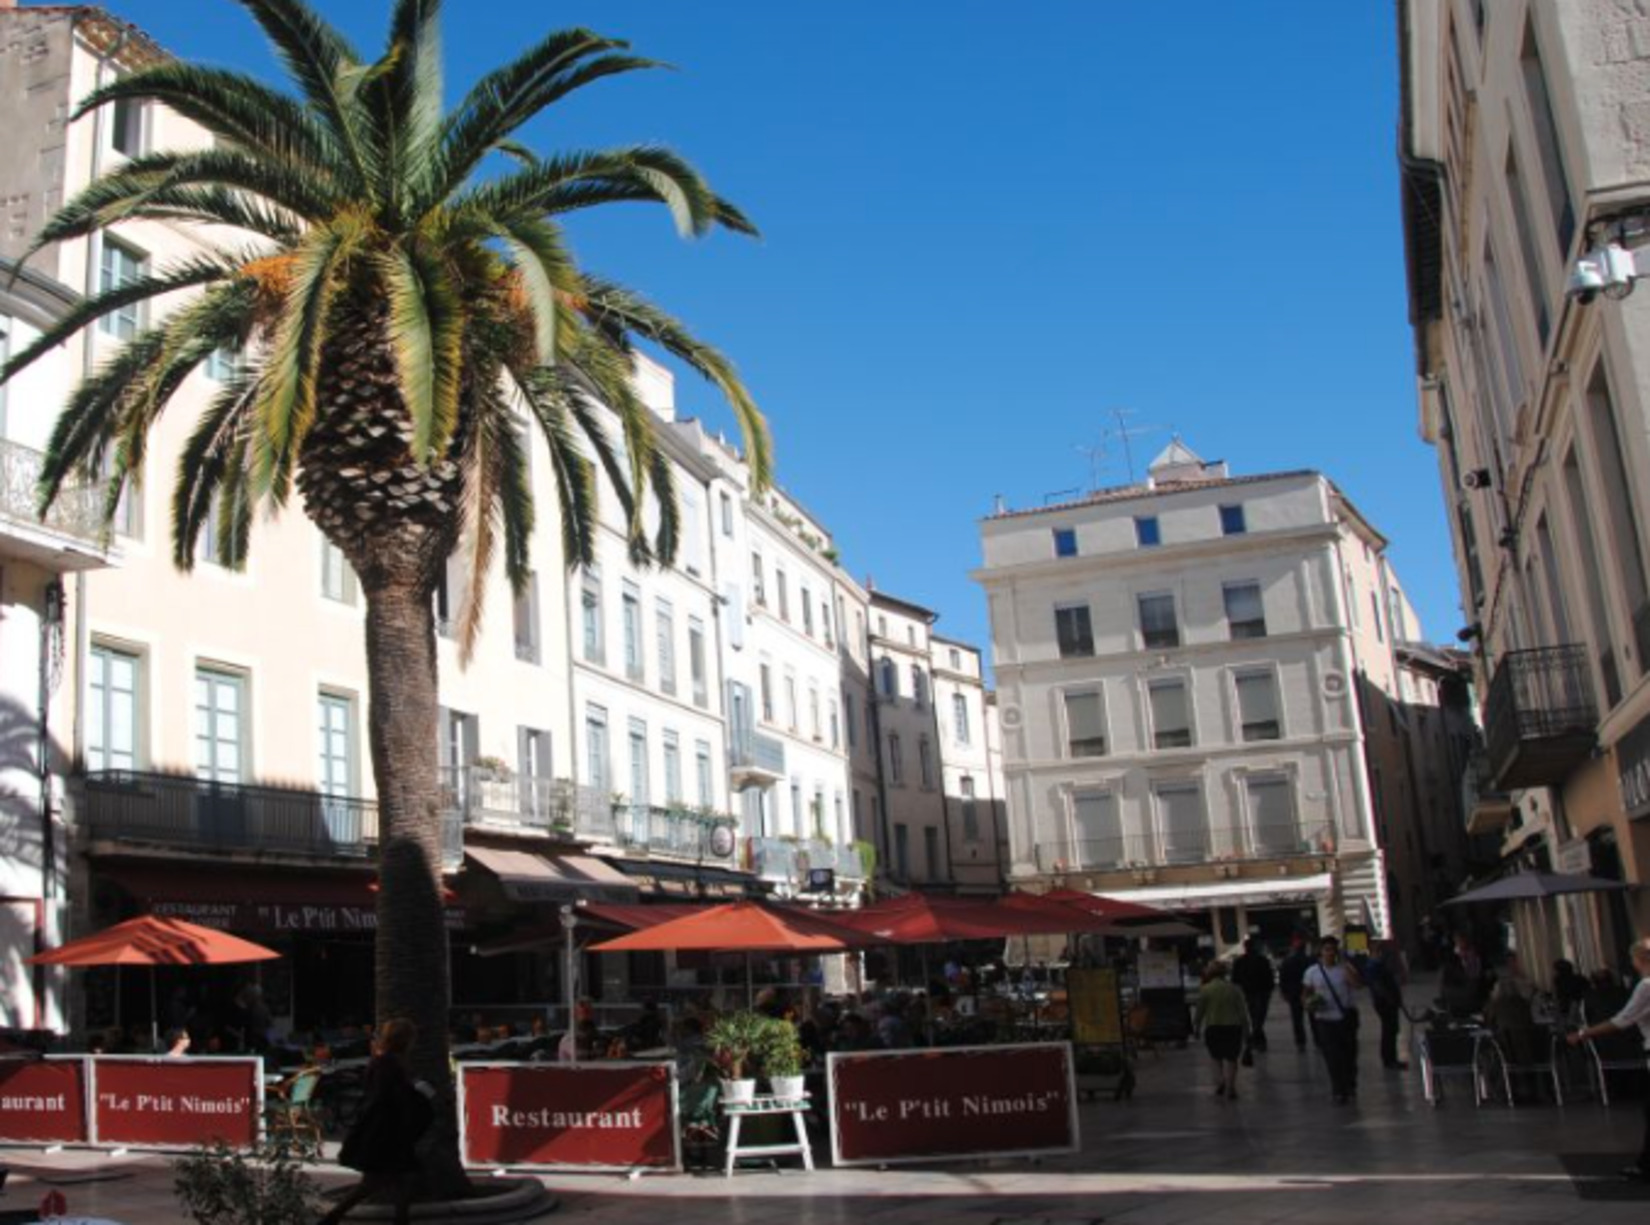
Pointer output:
x,y
1476,478
1610,270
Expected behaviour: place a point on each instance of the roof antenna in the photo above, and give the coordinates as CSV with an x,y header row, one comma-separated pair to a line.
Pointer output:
x,y
1122,431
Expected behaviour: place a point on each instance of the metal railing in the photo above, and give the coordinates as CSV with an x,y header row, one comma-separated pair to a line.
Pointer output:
x,y
556,807
175,810
788,859
1172,848
78,510
754,751
678,833
1540,699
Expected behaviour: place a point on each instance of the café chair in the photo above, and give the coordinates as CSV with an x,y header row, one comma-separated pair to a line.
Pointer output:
x,y
1452,1050
289,1112
1619,1052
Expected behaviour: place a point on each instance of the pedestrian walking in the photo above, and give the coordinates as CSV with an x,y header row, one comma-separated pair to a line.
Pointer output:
x,y
1329,988
1253,975
382,1143
1384,975
1223,1016
1291,972
1635,1015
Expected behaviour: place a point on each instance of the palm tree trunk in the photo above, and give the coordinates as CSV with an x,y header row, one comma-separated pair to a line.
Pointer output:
x,y
412,954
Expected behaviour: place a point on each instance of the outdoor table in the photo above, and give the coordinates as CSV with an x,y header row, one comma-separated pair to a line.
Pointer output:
x,y
763,1104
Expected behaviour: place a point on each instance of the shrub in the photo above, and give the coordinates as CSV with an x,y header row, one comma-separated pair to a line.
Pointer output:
x,y
220,1185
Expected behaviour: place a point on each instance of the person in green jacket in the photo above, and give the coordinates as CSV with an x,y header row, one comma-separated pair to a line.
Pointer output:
x,y
1223,1015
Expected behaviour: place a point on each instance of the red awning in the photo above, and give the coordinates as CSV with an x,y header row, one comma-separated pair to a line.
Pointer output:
x,y
636,917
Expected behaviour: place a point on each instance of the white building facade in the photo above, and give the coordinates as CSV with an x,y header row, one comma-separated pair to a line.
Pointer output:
x,y
1179,668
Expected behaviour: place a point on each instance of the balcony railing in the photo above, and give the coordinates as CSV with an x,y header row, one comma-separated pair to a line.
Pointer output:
x,y
556,807
675,833
78,510
789,859
1540,716
1487,807
1175,848
755,759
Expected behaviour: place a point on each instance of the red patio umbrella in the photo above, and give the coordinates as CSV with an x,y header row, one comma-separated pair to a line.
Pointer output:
x,y
153,941
917,918
1062,917
742,927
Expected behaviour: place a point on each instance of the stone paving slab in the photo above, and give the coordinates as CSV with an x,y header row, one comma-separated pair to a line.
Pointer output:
x,y
1175,1155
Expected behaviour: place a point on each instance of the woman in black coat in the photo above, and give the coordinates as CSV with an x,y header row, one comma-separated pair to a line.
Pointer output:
x,y
382,1144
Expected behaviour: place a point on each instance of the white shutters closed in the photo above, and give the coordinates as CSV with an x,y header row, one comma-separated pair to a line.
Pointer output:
x,y
1098,828
1181,822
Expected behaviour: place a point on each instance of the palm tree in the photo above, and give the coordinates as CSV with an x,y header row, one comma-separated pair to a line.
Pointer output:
x,y
401,294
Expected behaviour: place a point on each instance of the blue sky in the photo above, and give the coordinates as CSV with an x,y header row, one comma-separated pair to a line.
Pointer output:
x,y
986,226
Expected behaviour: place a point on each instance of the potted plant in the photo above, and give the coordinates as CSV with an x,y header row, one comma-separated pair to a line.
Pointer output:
x,y
732,1041
782,1059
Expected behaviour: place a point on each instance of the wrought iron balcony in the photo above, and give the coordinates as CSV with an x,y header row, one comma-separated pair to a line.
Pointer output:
x,y
790,859
1180,848
77,513
755,760
675,833
554,807
185,813
1540,717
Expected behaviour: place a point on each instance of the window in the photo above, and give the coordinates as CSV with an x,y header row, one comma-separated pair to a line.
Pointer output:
x,y
691,531
836,725
121,265
1581,517
1272,824
1171,714
759,588
1098,829
1628,551
782,587
460,745
210,545
1065,542
1159,627
814,727
631,612
337,577
696,662
790,702
673,767
590,608
1524,228
889,678
807,611
911,635
1257,694
838,832
664,625
220,726
931,851
970,811
1245,611
707,781
725,501
896,760
595,747
525,618
882,626
1181,823
902,850
126,127
222,364
112,718
640,789
925,762
959,718
919,685
1232,521
1546,139
765,675
956,660
1073,631
1375,616
799,822
1085,725
1147,534
825,622
336,776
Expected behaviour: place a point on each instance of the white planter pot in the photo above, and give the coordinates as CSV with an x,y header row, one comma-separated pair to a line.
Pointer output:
x,y
790,1088
736,1091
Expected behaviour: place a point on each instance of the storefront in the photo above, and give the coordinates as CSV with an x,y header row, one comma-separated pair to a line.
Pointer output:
x,y
1275,910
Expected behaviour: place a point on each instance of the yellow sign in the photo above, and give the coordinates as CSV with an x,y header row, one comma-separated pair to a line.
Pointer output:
x,y
1356,941
1096,1009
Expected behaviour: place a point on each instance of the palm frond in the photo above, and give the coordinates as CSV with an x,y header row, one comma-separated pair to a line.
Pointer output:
x,y
232,106
574,476
608,368
608,303
647,171
185,274
217,206
286,398
318,57
667,538
492,464
217,441
82,429
409,99
426,331
545,268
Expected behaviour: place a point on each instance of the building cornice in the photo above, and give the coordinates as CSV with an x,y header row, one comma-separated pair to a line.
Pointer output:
x,y
1158,557
1265,753
1244,650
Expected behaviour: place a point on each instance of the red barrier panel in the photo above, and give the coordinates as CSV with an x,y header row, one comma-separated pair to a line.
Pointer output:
x,y
952,1103
43,1101
569,1116
176,1103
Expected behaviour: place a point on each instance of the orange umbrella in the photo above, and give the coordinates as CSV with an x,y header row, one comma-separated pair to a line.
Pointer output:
x,y
152,941
1097,904
747,927
1062,917
919,919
